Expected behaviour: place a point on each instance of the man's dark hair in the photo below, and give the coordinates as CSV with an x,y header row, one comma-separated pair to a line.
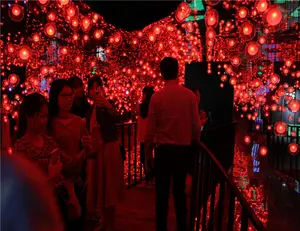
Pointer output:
x,y
169,68
75,82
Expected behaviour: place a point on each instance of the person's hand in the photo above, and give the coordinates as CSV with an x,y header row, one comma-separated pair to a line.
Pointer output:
x,y
102,102
86,142
55,166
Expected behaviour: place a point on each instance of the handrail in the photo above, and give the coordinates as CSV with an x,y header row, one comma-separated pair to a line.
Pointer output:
x,y
252,216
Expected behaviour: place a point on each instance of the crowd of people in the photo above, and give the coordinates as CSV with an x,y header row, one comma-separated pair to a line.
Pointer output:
x,y
73,140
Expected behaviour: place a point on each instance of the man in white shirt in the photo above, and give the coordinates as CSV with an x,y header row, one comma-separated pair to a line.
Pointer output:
x,y
173,121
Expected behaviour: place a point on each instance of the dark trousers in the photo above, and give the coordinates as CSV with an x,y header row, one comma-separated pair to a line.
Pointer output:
x,y
170,164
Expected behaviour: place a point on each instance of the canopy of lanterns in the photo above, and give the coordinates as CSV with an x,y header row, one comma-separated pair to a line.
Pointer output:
x,y
62,38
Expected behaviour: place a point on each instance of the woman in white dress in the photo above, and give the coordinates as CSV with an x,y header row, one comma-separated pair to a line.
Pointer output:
x,y
105,175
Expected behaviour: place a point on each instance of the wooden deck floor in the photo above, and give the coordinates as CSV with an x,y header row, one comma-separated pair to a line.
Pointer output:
x,y
137,212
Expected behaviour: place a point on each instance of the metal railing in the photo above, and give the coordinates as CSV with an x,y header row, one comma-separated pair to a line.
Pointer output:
x,y
127,134
216,200
279,157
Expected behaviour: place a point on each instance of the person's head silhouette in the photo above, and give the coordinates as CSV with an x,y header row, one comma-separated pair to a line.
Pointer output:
x,y
169,68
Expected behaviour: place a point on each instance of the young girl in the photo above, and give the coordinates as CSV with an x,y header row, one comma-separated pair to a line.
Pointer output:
x,y
105,176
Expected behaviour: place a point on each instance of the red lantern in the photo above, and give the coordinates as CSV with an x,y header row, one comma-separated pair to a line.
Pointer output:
x,y
275,79
242,12
182,12
86,24
51,16
211,18
252,50
13,79
36,38
262,6
293,148
210,33
43,3
16,12
247,139
263,151
274,17
294,105
63,51
98,34
24,52
247,31
71,11
280,128
236,60
74,24
50,29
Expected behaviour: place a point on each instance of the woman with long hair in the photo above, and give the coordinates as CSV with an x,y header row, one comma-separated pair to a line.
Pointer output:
x,y
33,144
68,130
105,176
142,112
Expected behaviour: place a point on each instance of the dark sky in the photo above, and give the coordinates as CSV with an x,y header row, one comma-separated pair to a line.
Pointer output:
x,y
133,15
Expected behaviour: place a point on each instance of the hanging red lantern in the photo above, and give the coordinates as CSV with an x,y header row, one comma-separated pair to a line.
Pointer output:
x,y
86,24
10,48
263,151
247,139
294,105
51,16
63,50
74,24
182,12
13,79
274,79
24,52
252,50
16,12
36,38
274,16
247,31
293,148
210,33
261,6
50,29
280,128
71,11
211,18
236,60
242,12
98,34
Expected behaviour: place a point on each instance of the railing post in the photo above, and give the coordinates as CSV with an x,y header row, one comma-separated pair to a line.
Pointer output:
x,y
135,152
129,155
244,220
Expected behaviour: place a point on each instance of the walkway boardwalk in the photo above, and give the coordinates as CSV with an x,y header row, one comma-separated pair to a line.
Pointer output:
x,y
137,212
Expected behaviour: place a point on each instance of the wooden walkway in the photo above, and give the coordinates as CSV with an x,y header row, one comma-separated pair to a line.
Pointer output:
x,y
137,212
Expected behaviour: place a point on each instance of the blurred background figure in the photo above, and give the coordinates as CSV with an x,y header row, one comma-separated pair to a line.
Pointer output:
x,y
142,112
80,105
27,201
